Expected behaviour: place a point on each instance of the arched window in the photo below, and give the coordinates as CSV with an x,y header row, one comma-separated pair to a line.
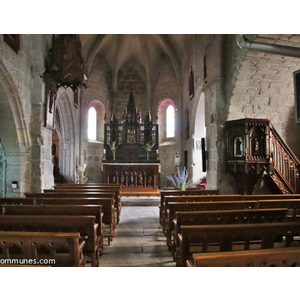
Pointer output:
x,y
166,119
170,121
92,124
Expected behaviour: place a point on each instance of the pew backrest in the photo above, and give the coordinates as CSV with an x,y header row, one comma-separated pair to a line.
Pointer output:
x,y
234,237
92,191
204,206
42,248
164,193
220,217
107,203
80,210
85,225
193,198
283,257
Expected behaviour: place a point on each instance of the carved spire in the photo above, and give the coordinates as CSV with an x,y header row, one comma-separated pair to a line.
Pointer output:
x,y
131,103
131,114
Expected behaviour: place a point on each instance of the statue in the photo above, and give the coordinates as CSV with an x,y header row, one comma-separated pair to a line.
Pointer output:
x,y
141,183
80,171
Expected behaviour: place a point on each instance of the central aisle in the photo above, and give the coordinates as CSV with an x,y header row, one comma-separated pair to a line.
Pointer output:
x,y
139,241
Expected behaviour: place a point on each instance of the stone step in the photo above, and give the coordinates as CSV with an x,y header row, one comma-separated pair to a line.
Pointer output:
x,y
140,201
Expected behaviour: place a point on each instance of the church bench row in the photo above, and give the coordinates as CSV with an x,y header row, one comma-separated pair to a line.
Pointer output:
x,y
106,203
74,199
61,210
212,198
293,206
282,257
220,217
192,198
175,207
172,192
110,193
103,193
19,248
237,237
85,225
98,188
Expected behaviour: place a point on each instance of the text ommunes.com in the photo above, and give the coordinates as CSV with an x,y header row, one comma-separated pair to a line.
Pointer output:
x,y
25,261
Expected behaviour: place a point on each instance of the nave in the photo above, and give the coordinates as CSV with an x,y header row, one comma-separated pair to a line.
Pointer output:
x,y
139,240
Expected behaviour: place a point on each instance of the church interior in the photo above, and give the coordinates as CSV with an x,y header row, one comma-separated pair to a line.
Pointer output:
x,y
208,81
123,121
149,149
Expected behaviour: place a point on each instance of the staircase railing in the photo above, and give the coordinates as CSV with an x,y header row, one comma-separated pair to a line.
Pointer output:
x,y
285,163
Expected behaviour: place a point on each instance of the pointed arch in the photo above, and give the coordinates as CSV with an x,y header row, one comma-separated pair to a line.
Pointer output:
x,y
14,133
14,117
65,127
99,108
166,120
170,121
92,124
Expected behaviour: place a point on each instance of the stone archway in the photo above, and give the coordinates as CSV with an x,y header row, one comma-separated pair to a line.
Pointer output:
x,y
65,128
15,137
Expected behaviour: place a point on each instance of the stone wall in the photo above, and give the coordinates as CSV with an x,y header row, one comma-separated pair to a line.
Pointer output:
x,y
168,88
99,95
28,152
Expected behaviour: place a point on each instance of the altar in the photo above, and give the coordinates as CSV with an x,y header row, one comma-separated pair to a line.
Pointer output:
x,y
131,155
132,174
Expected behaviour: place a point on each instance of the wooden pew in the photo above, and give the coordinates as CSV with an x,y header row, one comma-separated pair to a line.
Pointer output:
x,y
66,199
91,184
115,189
233,197
219,217
292,204
85,225
192,198
270,196
35,248
172,192
236,237
79,210
175,207
283,257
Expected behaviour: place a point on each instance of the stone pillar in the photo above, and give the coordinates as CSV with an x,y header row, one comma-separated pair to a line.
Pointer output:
x,y
215,142
215,117
41,154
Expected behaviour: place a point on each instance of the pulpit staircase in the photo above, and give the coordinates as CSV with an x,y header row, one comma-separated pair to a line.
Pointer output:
x,y
284,165
254,148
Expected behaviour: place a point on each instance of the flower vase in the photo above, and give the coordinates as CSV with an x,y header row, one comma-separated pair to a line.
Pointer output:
x,y
147,155
114,156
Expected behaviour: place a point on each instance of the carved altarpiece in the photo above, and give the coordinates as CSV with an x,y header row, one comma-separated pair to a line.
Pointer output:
x,y
136,161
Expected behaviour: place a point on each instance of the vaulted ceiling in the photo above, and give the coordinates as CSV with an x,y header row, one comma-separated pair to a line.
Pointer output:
x,y
144,49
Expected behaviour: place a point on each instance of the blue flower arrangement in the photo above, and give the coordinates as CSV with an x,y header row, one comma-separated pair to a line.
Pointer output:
x,y
180,179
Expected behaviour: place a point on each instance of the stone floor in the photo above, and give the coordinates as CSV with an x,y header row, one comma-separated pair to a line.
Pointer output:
x,y
139,240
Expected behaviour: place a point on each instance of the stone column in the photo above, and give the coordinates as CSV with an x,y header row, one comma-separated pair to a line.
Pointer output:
x,y
41,154
215,117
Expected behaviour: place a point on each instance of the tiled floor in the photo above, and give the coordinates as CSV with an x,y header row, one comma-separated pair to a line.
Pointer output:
x,y
139,240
